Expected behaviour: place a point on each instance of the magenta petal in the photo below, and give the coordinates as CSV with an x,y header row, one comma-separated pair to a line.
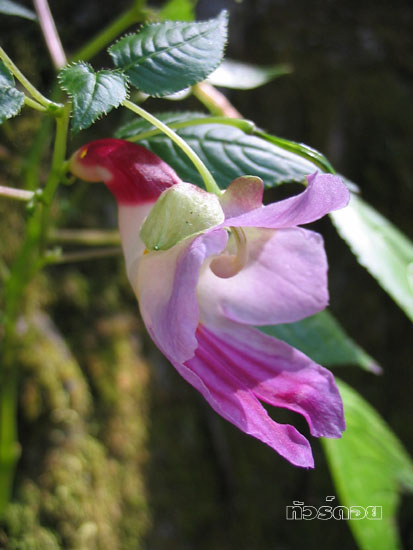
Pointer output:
x,y
324,194
167,292
279,375
209,374
284,280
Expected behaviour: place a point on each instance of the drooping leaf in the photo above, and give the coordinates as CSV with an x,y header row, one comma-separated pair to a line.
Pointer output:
x,y
11,99
322,338
178,10
244,76
163,58
228,151
380,247
12,8
370,468
93,94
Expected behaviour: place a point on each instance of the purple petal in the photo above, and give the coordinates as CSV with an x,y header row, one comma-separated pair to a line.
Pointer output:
x,y
279,375
324,194
166,290
284,280
208,372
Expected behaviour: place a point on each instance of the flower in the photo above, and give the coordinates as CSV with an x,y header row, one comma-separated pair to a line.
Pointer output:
x,y
203,293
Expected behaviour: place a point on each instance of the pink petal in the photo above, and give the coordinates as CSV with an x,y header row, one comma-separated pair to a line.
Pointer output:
x,y
242,195
284,280
208,372
324,194
166,290
278,374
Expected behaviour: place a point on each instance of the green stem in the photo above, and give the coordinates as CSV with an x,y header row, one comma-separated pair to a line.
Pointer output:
x,y
245,125
210,183
84,255
87,237
18,194
54,108
24,268
34,104
124,21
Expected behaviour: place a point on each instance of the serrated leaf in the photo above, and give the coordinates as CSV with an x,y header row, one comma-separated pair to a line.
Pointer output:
x,y
179,10
370,468
380,247
229,152
93,94
244,76
11,99
11,8
164,58
322,338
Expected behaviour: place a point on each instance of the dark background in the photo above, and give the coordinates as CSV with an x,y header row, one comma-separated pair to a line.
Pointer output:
x,y
205,485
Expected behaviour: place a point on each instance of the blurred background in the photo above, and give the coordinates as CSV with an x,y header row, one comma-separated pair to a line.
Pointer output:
x,y
118,451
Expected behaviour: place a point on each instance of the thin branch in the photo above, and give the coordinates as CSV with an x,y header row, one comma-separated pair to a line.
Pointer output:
x,y
18,194
214,100
50,33
84,255
87,237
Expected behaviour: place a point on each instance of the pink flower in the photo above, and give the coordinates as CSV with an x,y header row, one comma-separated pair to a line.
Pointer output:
x,y
201,298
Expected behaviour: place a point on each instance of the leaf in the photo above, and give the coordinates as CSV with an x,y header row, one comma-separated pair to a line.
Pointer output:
x,y
370,468
324,340
229,152
11,99
164,58
243,76
179,10
380,247
93,94
11,8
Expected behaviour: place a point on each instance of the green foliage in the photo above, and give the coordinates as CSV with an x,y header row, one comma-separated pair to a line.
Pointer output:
x,y
11,99
179,10
369,467
12,8
228,151
163,58
381,248
244,76
322,338
93,94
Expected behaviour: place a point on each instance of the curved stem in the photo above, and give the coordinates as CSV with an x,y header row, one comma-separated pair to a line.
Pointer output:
x,y
55,108
34,105
210,183
245,125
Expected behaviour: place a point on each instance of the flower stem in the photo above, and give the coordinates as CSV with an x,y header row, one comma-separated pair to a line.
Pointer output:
x,y
86,237
210,183
214,101
18,194
50,33
54,108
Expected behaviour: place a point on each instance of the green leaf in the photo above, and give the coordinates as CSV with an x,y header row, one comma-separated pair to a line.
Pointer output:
x,y
93,94
229,152
322,338
369,467
11,8
164,58
179,10
243,76
380,247
11,99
